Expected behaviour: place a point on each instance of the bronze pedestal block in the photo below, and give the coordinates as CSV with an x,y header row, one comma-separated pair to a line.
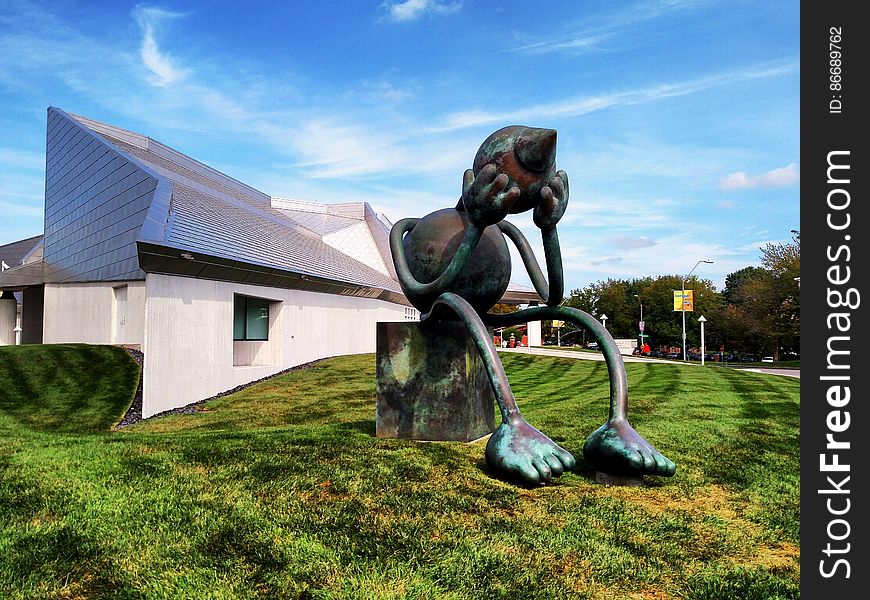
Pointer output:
x,y
431,383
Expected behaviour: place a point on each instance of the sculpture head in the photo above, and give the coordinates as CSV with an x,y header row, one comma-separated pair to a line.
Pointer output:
x,y
525,154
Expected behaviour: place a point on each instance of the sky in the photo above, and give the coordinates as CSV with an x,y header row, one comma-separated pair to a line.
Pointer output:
x,y
677,120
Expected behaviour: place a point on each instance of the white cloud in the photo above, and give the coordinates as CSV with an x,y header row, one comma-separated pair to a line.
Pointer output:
x,y
628,242
581,105
781,177
409,10
674,254
330,147
379,92
22,158
611,260
20,184
334,149
603,28
572,44
14,209
757,245
149,18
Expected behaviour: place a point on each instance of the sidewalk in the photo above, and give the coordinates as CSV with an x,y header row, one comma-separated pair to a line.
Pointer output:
x,y
545,351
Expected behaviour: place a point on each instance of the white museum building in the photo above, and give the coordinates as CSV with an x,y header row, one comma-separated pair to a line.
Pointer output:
x,y
217,283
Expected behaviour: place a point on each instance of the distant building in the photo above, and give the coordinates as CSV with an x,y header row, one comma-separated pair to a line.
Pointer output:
x,y
217,283
22,252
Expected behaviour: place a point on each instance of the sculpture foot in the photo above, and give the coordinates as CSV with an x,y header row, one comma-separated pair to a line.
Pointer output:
x,y
520,451
617,449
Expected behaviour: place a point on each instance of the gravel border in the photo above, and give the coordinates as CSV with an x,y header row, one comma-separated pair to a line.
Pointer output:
x,y
134,413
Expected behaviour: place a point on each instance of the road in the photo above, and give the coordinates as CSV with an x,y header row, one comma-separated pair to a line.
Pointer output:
x,y
786,372
600,357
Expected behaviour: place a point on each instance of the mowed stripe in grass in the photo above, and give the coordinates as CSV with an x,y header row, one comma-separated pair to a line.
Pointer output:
x,y
282,490
66,388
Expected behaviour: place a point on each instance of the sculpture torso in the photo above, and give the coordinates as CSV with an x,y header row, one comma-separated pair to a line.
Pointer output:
x,y
431,245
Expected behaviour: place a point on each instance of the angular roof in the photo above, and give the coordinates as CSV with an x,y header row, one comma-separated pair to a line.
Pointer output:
x,y
214,215
21,263
199,222
15,254
206,223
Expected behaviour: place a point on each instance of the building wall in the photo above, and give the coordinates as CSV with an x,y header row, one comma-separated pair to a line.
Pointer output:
x,y
88,313
534,332
8,321
189,348
626,345
32,299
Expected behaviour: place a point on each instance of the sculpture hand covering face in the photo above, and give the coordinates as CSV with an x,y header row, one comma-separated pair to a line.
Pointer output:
x,y
455,263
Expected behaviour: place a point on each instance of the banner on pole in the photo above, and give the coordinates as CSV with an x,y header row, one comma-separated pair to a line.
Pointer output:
x,y
684,301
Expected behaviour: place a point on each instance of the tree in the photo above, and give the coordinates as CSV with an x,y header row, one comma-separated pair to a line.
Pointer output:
x,y
762,304
620,300
779,308
733,282
758,311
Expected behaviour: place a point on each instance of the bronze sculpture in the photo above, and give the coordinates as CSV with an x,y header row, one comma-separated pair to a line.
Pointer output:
x,y
455,262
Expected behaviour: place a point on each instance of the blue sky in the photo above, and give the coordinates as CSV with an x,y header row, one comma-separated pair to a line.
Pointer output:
x,y
678,120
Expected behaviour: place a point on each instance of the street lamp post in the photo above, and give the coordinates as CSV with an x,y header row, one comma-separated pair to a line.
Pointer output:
x,y
683,302
640,324
702,320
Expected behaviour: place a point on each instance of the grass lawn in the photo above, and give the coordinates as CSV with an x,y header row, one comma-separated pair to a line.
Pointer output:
x,y
282,490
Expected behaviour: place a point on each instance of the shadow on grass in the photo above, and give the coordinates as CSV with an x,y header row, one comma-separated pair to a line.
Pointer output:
x,y
66,388
60,555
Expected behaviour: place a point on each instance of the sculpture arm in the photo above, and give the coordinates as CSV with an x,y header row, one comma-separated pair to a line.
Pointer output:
x,y
457,263
551,292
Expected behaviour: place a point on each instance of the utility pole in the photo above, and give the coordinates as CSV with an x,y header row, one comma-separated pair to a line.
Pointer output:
x,y
683,302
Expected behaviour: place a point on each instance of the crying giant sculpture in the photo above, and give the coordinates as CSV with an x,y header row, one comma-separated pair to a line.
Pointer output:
x,y
455,263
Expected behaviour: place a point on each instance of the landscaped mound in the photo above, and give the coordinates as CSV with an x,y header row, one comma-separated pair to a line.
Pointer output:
x,y
66,388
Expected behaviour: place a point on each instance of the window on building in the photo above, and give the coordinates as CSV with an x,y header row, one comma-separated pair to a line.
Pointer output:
x,y
250,319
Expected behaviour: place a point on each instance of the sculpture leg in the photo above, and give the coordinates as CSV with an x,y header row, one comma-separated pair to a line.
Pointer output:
x,y
615,447
515,448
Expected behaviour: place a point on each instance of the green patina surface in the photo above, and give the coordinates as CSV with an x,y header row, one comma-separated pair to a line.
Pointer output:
x,y
455,264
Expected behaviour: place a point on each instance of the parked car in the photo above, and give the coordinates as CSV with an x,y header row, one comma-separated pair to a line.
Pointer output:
x,y
673,355
767,359
693,356
592,345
